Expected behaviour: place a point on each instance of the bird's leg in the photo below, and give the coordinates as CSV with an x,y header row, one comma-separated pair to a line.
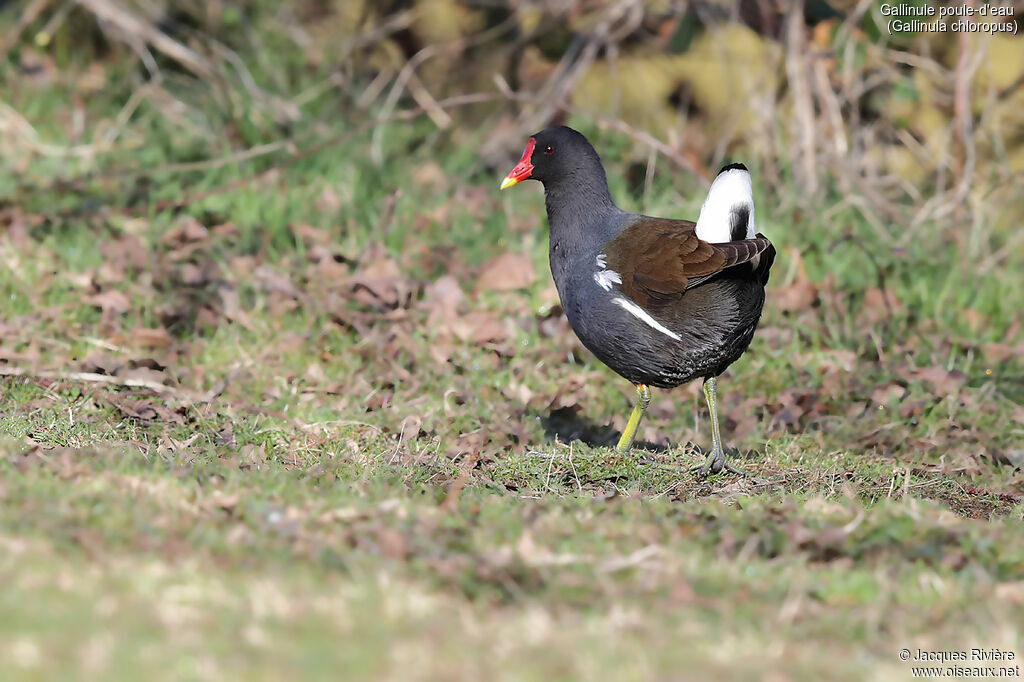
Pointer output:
x,y
643,399
716,460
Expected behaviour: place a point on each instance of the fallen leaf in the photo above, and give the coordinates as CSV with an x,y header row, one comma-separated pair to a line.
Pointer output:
x,y
274,282
144,410
1011,592
442,299
879,306
381,284
112,302
518,392
479,327
507,272
795,297
888,394
151,337
468,443
186,230
942,381
101,363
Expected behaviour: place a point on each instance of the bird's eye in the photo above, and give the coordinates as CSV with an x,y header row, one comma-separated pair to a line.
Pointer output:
x,y
549,150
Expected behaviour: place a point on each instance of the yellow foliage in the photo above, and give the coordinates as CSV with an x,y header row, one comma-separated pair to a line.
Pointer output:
x,y
348,14
386,56
635,89
1004,62
443,21
932,127
529,18
1003,66
898,160
730,71
341,22
1015,160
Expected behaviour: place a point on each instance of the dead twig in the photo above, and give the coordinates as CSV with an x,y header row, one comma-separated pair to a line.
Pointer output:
x,y
133,28
88,377
803,106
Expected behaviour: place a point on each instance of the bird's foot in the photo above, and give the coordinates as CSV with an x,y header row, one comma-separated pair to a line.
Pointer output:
x,y
715,463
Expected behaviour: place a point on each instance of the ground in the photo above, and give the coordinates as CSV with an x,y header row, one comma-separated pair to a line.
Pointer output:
x,y
320,412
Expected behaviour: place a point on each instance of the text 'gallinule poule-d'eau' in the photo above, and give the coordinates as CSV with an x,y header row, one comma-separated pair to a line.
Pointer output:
x,y
660,301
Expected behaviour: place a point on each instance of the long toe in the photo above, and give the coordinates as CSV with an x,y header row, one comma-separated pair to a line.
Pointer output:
x,y
715,463
708,466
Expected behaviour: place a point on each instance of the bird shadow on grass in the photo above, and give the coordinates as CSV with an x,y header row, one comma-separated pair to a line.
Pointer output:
x,y
566,425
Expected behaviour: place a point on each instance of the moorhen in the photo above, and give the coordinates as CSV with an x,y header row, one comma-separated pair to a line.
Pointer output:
x,y
660,301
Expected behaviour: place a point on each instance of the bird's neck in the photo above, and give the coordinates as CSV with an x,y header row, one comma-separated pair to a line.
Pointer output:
x,y
580,213
582,218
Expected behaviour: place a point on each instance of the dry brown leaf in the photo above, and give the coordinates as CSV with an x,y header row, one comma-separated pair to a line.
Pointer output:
x,y
442,299
888,394
518,392
144,410
479,327
224,502
233,307
311,236
144,374
186,230
381,285
507,272
328,201
943,382
1018,414
112,302
274,282
468,443
226,231
795,297
391,543
1000,352
252,456
1012,592
879,306
430,176
570,392
124,253
151,337
101,363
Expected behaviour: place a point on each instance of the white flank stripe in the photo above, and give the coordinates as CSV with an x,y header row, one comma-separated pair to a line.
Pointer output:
x,y
601,263
606,278
642,314
731,189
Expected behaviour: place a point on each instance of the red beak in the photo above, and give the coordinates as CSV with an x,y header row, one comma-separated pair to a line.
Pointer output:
x,y
522,169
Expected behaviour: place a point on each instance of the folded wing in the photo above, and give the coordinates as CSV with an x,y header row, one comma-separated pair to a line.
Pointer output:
x,y
659,259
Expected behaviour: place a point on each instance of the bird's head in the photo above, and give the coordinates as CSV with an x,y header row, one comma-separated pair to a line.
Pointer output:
x,y
555,154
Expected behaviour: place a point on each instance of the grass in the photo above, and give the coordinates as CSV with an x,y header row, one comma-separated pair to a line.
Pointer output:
x,y
346,476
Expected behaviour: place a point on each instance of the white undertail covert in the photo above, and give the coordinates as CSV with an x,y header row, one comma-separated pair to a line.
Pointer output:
x,y
730,203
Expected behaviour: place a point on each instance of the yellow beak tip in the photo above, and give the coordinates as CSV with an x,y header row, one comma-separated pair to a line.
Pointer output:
x,y
508,182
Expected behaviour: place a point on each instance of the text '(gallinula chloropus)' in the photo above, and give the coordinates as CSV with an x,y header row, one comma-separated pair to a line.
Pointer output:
x,y
660,301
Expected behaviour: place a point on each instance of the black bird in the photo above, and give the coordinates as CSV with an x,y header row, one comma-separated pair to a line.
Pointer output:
x,y
660,301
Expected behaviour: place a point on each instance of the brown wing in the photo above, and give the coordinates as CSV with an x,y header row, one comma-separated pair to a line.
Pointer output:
x,y
659,259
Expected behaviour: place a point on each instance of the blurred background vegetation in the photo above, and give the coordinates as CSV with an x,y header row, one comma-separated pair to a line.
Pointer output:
x,y
911,127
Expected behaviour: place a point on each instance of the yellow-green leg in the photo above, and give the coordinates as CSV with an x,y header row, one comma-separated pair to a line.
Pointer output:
x,y
643,399
716,459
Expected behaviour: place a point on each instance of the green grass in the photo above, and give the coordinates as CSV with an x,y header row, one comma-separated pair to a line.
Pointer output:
x,y
331,486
